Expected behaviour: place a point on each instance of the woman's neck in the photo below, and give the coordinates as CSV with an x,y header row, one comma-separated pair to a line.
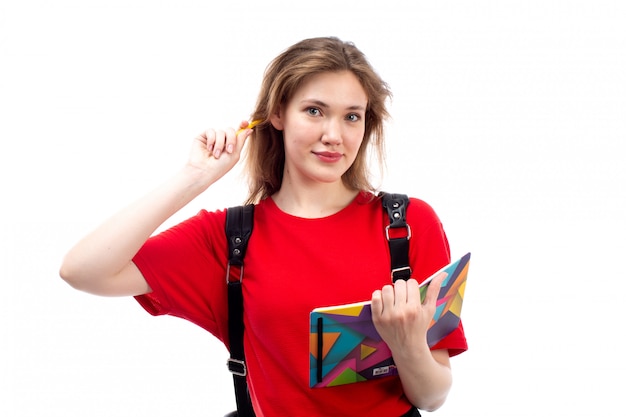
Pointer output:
x,y
317,201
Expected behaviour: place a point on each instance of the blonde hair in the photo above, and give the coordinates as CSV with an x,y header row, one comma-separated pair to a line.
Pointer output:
x,y
265,159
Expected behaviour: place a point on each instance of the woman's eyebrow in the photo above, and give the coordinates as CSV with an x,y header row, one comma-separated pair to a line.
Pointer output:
x,y
322,104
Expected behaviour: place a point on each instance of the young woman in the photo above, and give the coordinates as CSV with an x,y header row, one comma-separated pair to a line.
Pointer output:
x,y
317,241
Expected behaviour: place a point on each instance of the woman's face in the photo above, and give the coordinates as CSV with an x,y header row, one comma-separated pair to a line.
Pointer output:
x,y
323,126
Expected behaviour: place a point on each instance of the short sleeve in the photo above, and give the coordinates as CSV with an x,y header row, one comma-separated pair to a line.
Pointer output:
x,y
185,268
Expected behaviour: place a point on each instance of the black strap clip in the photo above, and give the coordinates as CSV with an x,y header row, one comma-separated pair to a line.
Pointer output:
x,y
396,205
238,230
237,367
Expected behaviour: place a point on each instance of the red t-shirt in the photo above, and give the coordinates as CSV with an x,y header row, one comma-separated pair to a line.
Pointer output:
x,y
292,266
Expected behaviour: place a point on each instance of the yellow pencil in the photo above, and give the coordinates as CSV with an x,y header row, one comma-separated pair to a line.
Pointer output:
x,y
250,125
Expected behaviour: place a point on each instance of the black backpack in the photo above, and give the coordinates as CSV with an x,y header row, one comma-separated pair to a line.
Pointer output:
x,y
239,222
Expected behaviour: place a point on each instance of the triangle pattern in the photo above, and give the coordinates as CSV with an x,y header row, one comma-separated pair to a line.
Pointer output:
x,y
366,351
348,376
328,342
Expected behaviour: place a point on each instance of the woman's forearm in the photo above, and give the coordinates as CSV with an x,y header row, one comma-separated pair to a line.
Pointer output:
x,y
108,250
426,376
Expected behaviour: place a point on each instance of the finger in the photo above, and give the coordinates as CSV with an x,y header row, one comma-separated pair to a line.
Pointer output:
x,y
377,304
231,140
433,289
208,139
220,143
413,292
388,297
400,292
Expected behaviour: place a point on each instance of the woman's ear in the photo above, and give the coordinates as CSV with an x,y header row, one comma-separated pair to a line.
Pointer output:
x,y
277,120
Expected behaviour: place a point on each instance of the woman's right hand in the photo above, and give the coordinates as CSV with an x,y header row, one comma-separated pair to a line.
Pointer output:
x,y
216,152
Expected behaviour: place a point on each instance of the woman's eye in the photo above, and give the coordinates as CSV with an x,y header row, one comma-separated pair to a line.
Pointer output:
x,y
313,111
353,117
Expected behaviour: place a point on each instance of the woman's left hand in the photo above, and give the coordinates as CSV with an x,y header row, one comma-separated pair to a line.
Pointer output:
x,y
402,320
399,315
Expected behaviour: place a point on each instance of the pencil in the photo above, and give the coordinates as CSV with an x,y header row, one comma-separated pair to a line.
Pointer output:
x,y
250,125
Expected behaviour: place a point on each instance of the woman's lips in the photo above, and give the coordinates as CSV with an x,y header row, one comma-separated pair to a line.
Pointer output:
x,y
328,156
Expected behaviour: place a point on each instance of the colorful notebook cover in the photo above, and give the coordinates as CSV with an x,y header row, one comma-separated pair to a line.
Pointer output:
x,y
349,346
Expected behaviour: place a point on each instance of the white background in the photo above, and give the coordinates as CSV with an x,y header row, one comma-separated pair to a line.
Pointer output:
x,y
508,118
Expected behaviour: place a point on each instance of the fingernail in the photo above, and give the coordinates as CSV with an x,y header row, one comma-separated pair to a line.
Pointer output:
x,y
230,148
217,153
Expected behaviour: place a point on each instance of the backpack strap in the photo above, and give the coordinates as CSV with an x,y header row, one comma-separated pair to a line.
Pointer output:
x,y
398,234
239,221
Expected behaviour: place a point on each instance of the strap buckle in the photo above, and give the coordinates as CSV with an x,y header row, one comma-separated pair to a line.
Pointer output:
x,y
408,232
237,367
228,279
400,273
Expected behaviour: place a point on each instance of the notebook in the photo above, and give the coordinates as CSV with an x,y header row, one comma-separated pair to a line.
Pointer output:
x,y
344,346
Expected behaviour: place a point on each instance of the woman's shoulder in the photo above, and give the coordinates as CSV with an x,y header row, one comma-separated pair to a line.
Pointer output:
x,y
204,223
419,205
421,212
205,216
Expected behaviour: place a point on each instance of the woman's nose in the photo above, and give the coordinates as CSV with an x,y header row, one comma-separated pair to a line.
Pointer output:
x,y
332,132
